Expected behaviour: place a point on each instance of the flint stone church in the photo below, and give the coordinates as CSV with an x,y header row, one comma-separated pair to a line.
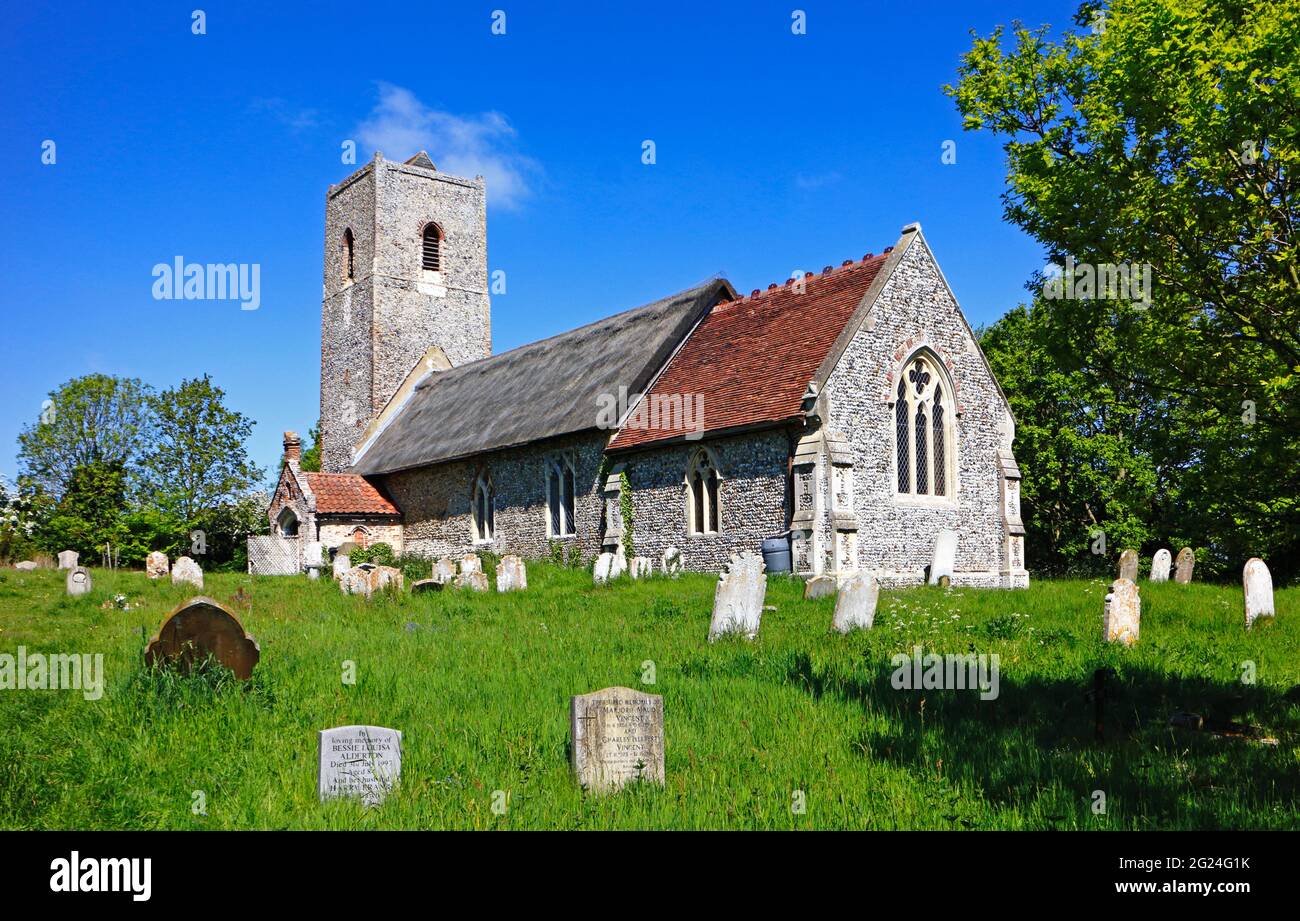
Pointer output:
x,y
849,411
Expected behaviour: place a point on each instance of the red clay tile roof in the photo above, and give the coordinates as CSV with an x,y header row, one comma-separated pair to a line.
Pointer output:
x,y
347,494
752,358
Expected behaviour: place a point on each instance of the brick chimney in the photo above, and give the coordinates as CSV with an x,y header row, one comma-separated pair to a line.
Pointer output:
x,y
292,448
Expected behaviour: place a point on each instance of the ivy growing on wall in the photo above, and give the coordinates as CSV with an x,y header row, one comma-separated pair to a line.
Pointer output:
x,y
625,511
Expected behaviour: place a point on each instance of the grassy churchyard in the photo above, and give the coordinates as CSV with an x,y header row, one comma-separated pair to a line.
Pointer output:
x,y
480,685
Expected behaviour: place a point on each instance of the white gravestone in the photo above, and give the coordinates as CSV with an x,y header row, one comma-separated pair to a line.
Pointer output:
x,y
1184,565
444,570
855,608
608,566
673,562
470,563
618,737
738,599
359,761
1257,583
342,566
68,559
156,565
640,567
475,580
1122,614
313,558
944,560
78,581
1160,566
25,566
819,587
512,575
186,570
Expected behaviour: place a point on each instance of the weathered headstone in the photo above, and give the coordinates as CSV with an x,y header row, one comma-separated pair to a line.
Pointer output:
x,y
342,565
367,578
738,598
819,587
640,567
1257,583
384,577
25,566
1122,614
78,581
68,559
475,579
512,574
608,566
1183,566
313,558
944,560
1160,566
618,737
673,561
198,628
470,563
855,608
1128,565
156,565
364,762
444,570
186,570
427,585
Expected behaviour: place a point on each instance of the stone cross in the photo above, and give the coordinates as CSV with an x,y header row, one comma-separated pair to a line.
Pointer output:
x,y
855,608
188,571
738,598
1122,613
1128,565
78,582
618,737
364,762
1183,568
1257,583
944,560
1160,566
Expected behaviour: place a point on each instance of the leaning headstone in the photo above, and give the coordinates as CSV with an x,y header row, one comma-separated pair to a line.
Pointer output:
x,y
475,579
25,566
427,585
68,559
364,762
673,561
186,570
1128,565
444,570
818,587
944,560
738,598
1184,565
512,575
855,608
78,581
618,738
156,565
470,563
640,567
1160,566
198,628
1122,613
1257,583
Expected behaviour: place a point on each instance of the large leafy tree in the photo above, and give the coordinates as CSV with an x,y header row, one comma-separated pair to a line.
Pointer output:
x,y
1163,133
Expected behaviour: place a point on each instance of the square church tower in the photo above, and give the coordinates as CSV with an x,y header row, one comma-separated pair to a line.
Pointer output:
x,y
405,273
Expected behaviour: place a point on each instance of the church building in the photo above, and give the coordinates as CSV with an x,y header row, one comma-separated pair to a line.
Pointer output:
x,y
849,412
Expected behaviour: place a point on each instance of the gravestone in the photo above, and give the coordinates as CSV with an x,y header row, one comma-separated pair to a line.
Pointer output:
x,y
512,574
68,559
608,566
198,628
156,565
470,563
444,570
1160,566
818,587
618,737
1257,583
673,562
738,598
78,581
426,585
186,570
475,579
640,567
342,565
384,577
944,560
313,558
367,578
1184,565
1122,613
1128,565
855,608
25,566
364,762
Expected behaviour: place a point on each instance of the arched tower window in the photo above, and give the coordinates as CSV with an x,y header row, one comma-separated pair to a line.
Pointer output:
x,y
484,509
431,248
702,495
924,441
348,252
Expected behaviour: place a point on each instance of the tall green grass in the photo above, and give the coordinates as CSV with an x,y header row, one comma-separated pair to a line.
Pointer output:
x,y
479,686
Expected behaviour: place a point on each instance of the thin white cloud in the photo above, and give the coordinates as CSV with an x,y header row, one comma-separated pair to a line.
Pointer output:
x,y
465,145
816,180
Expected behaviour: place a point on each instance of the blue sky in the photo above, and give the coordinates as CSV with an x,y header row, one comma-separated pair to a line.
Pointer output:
x,y
774,151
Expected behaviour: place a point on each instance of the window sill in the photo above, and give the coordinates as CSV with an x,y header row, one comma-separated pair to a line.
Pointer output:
x,y
706,534
561,536
926,502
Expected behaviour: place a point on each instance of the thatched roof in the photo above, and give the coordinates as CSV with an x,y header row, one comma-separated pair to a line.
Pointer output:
x,y
536,391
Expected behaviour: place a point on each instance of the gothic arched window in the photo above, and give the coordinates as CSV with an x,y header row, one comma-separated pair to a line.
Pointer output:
x,y
923,441
348,250
484,510
287,523
702,495
560,483
431,248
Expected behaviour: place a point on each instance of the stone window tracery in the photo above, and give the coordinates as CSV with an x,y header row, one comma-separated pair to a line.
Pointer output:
x,y
924,442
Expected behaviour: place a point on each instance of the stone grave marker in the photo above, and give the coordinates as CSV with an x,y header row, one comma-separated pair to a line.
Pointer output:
x,y
186,570
198,628
475,579
156,565
640,567
25,566
1128,565
855,608
364,762
444,570
819,587
68,559
78,582
470,563
944,560
1184,565
426,585
608,566
1257,584
512,574
618,737
1122,613
1160,566
313,558
342,565
738,598
673,562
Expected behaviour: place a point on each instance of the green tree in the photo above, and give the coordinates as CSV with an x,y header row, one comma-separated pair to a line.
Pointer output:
x,y
311,457
90,512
